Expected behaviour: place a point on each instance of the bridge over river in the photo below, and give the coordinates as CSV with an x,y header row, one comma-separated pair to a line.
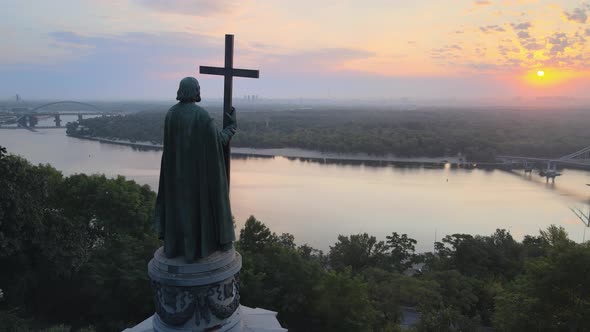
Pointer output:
x,y
28,118
548,166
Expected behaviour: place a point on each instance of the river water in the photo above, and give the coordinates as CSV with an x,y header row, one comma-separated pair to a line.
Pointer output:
x,y
315,202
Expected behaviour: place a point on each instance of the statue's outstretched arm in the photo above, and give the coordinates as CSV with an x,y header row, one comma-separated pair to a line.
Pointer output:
x,y
229,130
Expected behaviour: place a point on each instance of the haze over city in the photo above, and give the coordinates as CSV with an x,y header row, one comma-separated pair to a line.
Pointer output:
x,y
139,49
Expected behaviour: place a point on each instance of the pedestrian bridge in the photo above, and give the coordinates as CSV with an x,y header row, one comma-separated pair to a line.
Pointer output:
x,y
548,166
28,118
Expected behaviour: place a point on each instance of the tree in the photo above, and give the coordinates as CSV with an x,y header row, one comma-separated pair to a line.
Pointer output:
x,y
555,237
464,302
357,252
286,240
279,276
402,251
534,246
506,255
275,276
343,304
553,293
69,242
36,242
255,236
385,293
309,253
486,257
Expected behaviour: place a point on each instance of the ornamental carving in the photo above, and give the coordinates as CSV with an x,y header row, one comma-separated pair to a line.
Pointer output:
x,y
176,305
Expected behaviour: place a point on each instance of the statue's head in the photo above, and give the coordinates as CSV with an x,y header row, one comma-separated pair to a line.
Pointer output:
x,y
189,90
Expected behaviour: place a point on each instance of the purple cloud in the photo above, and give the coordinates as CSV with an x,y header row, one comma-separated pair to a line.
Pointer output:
x,y
559,41
578,15
492,28
522,26
523,34
533,46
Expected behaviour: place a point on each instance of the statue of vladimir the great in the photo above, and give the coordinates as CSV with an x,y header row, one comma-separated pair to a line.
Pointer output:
x,y
193,214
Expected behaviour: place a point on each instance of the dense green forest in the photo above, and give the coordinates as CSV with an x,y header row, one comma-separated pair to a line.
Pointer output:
x,y
74,252
477,134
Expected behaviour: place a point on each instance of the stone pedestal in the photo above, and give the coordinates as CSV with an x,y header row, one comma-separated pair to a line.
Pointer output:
x,y
201,296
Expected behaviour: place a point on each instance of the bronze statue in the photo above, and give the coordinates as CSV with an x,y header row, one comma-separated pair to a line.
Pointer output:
x,y
193,213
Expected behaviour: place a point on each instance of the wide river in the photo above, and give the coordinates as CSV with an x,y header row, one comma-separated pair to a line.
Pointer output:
x,y
315,202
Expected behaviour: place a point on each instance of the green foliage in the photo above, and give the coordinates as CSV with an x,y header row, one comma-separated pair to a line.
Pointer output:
x,y
277,276
402,251
142,127
460,304
34,245
357,252
274,276
255,236
477,134
553,293
342,303
57,328
485,257
12,320
388,291
555,238
74,249
117,282
362,251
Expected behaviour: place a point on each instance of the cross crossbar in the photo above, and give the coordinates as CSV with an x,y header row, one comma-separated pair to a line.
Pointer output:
x,y
229,71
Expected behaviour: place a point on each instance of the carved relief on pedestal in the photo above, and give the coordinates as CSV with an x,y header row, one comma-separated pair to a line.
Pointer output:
x,y
176,305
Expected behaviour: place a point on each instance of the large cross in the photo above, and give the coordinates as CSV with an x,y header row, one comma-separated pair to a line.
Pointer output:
x,y
228,72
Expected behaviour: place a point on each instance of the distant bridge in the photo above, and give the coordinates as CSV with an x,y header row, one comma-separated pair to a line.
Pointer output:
x,y
66,102
28,118
579,159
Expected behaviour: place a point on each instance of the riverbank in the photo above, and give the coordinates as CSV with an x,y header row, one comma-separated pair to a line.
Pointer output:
x,y
293,153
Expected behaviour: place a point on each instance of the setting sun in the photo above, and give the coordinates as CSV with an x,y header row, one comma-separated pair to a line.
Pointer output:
x,y
550,77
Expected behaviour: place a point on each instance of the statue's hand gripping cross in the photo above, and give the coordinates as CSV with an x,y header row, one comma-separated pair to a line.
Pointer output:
x,y
228,72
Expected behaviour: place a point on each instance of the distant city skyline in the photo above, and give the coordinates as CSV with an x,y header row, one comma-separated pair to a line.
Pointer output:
x,y
333,49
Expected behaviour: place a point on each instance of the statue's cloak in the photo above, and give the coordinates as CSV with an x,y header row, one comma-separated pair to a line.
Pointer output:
x,y
193,213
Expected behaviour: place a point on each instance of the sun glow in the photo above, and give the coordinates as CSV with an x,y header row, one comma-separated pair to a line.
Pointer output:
x,y
548,77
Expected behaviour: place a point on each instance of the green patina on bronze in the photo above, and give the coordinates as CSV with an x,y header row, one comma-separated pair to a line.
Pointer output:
x,y
193,213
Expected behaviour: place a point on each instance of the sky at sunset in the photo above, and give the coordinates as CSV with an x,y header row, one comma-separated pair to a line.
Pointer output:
x,y
140,49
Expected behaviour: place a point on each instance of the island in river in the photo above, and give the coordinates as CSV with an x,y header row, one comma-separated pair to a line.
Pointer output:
x,y
377,134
